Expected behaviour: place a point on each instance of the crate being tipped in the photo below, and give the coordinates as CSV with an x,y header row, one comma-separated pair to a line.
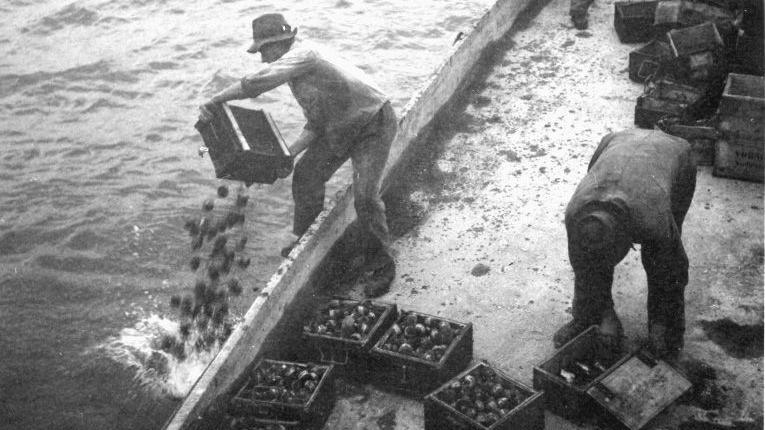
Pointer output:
x,y
420,352
245,145
484,398
342,331
287,391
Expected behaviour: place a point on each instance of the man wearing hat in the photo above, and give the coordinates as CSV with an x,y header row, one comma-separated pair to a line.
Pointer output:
x,y
638,188
347,117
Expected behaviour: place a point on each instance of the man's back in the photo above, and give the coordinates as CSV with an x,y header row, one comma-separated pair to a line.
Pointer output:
x,y
646,171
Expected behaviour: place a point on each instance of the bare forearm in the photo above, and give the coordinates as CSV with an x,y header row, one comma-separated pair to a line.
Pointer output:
x,y
233,92
302,142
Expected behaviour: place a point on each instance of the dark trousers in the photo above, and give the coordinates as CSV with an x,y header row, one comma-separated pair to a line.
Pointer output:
x,y
368,155
665,264
579,7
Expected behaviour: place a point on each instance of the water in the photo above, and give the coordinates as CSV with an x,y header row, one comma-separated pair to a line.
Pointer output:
x,y
99,167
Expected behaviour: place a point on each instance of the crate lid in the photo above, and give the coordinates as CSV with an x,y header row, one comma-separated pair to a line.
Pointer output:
x,y
638,388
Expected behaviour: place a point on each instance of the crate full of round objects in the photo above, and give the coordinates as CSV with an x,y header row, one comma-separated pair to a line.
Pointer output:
x,y
419,352
343,331
586,378
483,398
281,391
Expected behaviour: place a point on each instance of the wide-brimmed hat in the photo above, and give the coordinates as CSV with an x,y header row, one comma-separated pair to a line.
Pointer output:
x,y
268,28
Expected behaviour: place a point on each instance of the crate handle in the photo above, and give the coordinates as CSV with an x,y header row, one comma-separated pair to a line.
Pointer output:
x,y
644,71
605,390
332,360
404,374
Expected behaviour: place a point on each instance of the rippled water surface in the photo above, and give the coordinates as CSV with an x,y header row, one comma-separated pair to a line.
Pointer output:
x,y
99,167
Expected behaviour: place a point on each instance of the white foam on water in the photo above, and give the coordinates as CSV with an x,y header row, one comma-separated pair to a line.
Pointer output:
x,y
159,372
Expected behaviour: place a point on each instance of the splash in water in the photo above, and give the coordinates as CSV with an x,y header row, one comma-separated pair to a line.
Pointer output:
x,y
161,370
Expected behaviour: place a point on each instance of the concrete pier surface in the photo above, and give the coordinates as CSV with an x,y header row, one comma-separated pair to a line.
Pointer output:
x,y
479,232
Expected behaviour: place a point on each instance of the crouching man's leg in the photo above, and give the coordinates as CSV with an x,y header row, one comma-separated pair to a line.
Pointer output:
x,y
667,272
369,156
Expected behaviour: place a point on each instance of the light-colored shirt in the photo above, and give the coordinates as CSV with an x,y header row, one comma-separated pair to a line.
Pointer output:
x,y
337,98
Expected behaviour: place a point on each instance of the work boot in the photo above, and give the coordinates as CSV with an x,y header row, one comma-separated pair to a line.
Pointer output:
x,y
568,332
377,280
580,21
289,243
611,330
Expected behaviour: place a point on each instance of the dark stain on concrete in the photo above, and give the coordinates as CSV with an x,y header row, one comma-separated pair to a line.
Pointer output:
x,y
387,421
738,341
705,393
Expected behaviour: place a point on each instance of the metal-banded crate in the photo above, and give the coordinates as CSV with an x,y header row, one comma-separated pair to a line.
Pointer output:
x,y
739,159
741,111
625,390
407,373
331,346
633,21
244,144
699,50
646,61
262,398
524,406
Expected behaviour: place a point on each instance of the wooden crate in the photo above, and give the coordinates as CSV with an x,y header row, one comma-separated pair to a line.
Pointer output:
x,y
311,414
633,21
352,354
627,395
528,414
244,145
701,137
647,60
637,389
741,111
665,98
417,376
739,159
561,397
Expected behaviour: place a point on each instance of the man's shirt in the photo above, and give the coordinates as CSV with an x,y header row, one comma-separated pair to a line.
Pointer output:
x,y
337,98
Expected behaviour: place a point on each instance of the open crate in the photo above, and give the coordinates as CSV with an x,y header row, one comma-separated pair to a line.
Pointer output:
x,y
349,349
278,392
646,61
444,408
666,98
244,144
698,49
570,399
405,370
633,20
624,390
741,112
